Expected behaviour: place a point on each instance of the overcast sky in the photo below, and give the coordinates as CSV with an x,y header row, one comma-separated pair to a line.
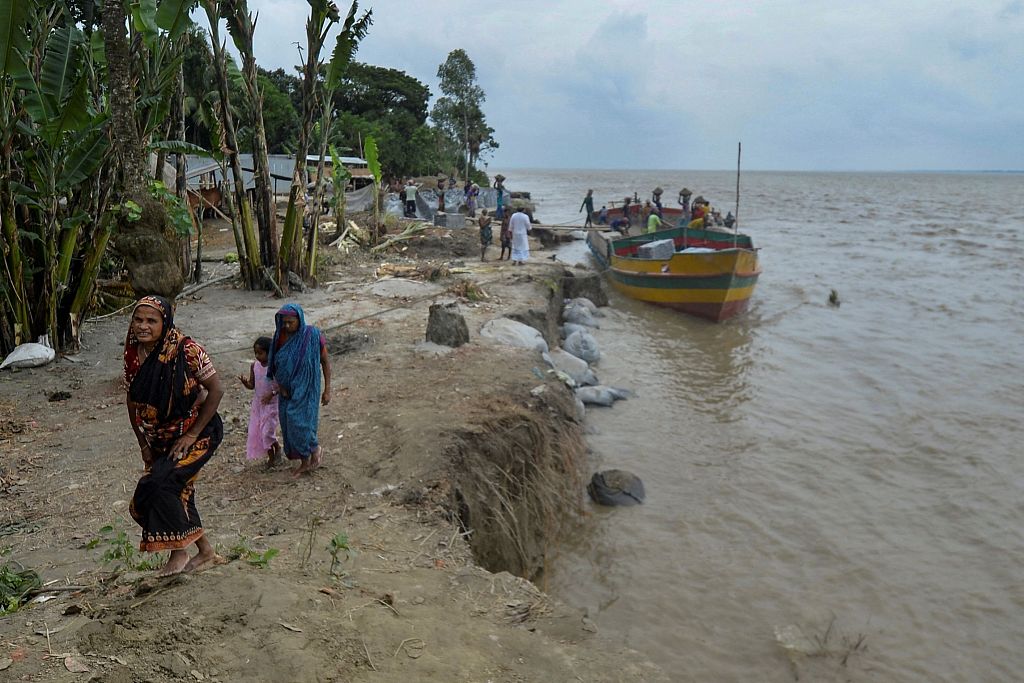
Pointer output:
x,y
823,85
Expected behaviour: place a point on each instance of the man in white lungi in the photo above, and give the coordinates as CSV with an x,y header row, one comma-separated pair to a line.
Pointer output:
x,y
520,226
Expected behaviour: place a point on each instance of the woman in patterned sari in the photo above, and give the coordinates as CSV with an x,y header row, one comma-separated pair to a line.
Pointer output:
x,y
173,394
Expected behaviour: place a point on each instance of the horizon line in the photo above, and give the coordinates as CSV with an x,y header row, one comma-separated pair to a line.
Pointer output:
x,y
1008,171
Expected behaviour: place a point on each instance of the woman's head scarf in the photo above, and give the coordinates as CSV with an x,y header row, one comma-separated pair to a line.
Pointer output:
x,y
160,380
297,361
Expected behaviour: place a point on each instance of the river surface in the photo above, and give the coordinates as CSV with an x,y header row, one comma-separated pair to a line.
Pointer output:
x,y
824,485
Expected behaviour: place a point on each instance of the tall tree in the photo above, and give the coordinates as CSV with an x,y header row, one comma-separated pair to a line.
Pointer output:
x,y
322,17
459,112
241,26
353,30
145,237
245,235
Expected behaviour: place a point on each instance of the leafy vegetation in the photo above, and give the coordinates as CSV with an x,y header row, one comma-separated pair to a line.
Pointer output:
x,y
243,550
340,552
90,89
459,115
120,552
15,585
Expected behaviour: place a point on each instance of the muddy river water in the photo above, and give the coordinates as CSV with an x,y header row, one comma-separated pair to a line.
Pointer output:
x,y
832,493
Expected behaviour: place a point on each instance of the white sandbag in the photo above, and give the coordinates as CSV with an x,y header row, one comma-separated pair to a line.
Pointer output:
x,y
31,355
588,304
514,333
571,365
569,328
582,345
575,313
602,395
581,410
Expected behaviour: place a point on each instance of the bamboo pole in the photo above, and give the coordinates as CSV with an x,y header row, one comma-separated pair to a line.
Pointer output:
x,y
736,215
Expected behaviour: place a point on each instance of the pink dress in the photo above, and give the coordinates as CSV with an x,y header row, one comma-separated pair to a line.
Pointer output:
x,y
263,419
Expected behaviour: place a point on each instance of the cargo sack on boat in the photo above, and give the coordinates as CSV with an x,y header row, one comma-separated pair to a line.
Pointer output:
x,y
602,395
616,487
659,250
583,345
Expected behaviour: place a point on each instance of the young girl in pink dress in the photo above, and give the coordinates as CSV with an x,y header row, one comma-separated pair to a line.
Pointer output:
x,y
263,419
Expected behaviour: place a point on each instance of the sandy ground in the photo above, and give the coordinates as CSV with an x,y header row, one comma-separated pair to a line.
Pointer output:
x,y
408,603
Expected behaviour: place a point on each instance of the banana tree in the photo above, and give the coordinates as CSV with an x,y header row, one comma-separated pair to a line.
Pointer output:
x,y
248,247
373,162
241,26
353,30
53,143
323,16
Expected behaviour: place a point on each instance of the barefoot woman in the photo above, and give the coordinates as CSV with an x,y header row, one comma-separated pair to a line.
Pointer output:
x,y
298,355
173,394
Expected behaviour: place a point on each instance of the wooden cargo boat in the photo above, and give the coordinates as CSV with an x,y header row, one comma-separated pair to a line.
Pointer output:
x,y
715,281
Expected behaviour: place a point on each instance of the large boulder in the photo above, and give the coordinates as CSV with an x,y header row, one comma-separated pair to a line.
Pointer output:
x,y
579,370
446,326
602,395
582,345
579,314
616,487
512,333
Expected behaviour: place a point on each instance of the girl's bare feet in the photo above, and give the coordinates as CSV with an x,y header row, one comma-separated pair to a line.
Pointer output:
x,y
175,563
316,459
274,456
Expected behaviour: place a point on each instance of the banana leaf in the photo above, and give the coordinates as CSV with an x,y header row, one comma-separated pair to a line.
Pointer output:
x,y
14,15
172,16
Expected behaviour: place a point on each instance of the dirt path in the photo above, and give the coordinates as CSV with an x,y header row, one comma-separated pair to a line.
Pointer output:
x,y
407,604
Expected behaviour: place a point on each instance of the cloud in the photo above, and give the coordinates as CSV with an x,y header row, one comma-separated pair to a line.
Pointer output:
x,y
675,83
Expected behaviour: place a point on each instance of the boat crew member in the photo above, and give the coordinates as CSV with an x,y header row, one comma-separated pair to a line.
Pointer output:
x,y
588,204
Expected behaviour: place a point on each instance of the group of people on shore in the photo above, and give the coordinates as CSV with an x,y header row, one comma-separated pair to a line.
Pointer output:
x,y
173,392
514,231
470,195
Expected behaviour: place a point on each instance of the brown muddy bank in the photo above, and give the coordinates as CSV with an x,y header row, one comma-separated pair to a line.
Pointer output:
x,y
438,469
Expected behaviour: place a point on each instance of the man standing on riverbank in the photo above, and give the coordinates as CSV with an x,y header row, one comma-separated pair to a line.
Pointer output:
x,y
519,224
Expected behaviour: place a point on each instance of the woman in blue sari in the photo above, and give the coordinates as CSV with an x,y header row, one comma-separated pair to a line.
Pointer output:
x,y
298,354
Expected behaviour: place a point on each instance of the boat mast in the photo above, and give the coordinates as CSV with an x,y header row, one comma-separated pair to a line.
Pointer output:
x,y
736,214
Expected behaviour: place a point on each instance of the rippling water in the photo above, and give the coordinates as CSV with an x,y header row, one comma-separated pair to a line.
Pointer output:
x,y
806,465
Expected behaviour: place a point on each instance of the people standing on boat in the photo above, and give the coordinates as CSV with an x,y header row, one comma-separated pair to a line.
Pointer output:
x,y
698,215
485,233
645,211
653,222
656,200
519,224
730,220
410,199
684,202
588,204
602,217
625,212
